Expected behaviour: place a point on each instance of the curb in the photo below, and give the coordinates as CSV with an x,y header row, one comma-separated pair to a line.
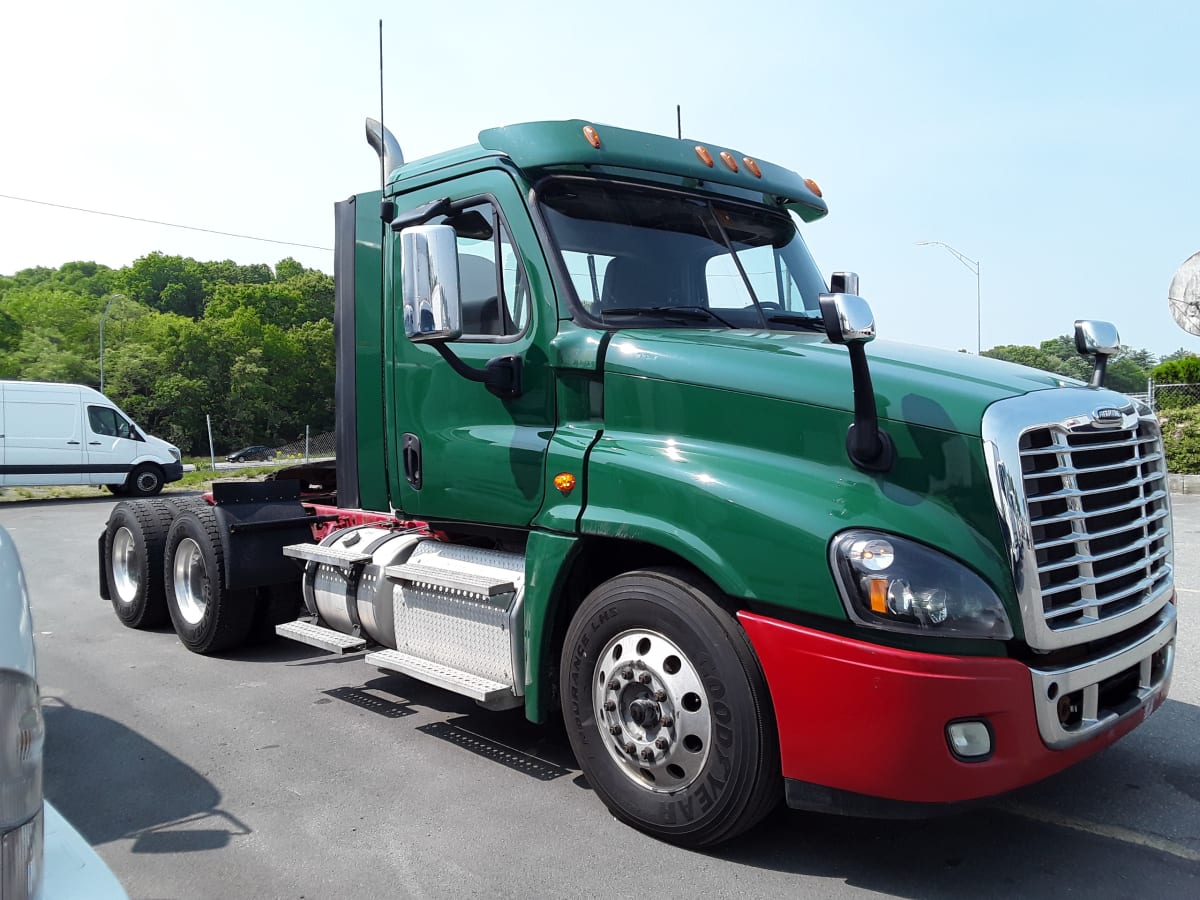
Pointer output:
x,y
1183,484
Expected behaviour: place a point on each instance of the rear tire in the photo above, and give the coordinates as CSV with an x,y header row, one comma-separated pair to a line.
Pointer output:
x,y
208,617
133,550
145,481
667,709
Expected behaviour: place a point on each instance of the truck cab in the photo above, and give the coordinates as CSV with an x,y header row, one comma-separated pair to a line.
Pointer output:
x,y
611,447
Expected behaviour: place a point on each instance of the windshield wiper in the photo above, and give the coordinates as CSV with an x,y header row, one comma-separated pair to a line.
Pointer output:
x,y
694,313
816,323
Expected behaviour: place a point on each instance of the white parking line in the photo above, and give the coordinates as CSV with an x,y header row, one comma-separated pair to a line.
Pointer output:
x,y
1114,832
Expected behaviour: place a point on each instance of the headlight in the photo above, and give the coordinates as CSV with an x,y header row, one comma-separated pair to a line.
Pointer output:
x,y
175,453
21,737
893,583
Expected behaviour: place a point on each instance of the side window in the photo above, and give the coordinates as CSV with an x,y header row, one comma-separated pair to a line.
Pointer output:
x,y
492,282
768,275
108,422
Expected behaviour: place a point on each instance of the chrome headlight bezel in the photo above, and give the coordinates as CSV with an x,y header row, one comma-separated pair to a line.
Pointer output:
x,y
896,584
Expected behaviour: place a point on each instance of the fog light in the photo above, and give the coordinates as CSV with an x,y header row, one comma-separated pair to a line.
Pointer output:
x,y
970,740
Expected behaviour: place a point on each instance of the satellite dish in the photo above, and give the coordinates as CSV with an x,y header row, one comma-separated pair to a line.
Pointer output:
x,y
1184,295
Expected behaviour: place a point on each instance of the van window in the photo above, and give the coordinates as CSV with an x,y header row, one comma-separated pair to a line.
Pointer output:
x,y
108,421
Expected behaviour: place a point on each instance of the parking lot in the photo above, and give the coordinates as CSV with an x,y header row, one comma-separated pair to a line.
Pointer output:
x,y
279,771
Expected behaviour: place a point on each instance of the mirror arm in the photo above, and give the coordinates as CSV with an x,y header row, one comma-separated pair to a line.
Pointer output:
x,y
421,214
501,376
1099,370
869,447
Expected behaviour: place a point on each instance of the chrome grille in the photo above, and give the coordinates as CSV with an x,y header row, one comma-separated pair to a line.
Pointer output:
x,y
1088,514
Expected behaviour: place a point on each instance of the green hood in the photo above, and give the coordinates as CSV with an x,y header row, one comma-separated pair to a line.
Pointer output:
x,y
917,385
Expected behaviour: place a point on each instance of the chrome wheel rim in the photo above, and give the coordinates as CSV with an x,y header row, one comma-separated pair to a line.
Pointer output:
x,y
190,578
652,710
126,565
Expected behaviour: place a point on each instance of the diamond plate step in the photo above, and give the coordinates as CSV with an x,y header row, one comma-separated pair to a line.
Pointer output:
x,y
481,585
333,556
315,636
482,689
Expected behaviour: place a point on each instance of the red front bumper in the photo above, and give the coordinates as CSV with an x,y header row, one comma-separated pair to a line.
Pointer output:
x,y
872,720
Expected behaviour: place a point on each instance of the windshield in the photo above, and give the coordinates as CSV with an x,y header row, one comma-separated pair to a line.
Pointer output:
x,y
647,256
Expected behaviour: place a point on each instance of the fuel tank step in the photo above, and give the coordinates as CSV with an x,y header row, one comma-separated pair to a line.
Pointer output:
x,y
483,690
306,632
479,585
331,556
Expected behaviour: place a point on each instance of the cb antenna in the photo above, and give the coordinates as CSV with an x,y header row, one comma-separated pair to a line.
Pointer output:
x,y
382,173
678,122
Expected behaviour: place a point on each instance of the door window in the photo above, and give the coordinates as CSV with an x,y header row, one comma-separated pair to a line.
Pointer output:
x,y
109,422
492,282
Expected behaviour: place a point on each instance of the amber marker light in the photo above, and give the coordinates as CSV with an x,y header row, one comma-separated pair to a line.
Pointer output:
x,y
813,186
592,137
705,156
727,158
752,166
565,482
879,592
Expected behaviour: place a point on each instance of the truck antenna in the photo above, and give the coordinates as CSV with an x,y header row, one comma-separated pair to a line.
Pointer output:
x,y
678,122
382,173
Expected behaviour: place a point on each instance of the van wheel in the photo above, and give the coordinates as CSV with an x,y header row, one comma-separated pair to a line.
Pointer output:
x,y
133,549
145,481
208,617
667,709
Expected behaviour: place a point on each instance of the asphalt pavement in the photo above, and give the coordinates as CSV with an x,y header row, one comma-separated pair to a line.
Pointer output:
x,y
279,771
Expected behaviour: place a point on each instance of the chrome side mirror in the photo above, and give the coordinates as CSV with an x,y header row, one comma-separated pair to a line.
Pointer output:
x,y
848,318
429,267
1099,340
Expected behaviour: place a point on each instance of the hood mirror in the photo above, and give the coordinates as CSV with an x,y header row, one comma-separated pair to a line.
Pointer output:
x,y
848,320
1100,340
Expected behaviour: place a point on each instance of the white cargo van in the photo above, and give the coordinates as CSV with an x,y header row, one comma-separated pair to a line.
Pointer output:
x,y
71,434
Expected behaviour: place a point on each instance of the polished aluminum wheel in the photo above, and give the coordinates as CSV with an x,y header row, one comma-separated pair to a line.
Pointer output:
x,y
190,577
652,710
126,565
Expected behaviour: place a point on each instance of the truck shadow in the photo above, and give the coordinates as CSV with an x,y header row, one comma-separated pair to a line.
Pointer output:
x,y
165,805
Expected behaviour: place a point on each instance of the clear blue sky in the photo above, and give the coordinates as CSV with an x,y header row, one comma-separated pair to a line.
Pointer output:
x,y
1056,143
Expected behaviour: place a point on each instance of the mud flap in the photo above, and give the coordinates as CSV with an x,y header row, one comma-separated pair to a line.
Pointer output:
x,y
257,520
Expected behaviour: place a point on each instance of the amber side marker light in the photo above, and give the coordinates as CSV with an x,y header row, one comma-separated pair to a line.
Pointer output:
x,y
727,158
565,482
592,137
752,166
705,156
813,186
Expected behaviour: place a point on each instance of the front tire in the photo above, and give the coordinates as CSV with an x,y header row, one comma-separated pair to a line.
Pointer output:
x,y
208,617
667,709
145,481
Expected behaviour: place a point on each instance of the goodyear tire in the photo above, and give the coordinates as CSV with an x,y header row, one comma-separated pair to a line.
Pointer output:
x,y
208,617
145,481
133,551
667,709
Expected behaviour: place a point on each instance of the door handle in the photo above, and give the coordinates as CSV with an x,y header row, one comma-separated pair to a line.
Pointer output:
x,y
73,443
93,443
410,446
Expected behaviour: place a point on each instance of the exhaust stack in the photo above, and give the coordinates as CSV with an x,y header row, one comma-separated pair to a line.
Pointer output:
x,y
385,145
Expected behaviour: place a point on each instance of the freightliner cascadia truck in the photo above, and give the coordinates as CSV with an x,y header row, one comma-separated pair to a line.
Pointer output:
x,y
610,448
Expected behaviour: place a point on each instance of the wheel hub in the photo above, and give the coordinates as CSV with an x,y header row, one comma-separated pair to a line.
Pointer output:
x,y
190,579
652,710
126,565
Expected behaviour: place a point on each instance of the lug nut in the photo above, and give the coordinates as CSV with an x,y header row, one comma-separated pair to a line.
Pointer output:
x,y
644,678
614,729
666,721
610,705
662,743
614,685
631,749
627,674
660,695
648,755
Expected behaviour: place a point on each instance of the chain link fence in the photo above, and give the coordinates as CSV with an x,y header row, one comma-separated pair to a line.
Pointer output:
x,y
1164,397
309,447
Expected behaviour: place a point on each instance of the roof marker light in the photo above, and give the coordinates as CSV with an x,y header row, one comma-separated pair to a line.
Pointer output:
x,y
727,158
705,156
752,166
592,137
813,186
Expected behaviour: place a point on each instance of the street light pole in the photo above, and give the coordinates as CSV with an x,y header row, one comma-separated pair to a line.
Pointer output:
x,y
104,316
973,265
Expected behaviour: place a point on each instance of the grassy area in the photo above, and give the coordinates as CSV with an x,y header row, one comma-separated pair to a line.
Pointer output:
x,y
199,480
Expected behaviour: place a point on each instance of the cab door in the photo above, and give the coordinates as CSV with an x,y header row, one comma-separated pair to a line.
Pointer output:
x,y
112,444
459,452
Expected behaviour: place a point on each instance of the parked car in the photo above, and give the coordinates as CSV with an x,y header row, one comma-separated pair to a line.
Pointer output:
x,y
257,452
41,855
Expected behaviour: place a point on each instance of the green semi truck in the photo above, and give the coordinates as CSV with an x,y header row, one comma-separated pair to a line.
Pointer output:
x,y
611,448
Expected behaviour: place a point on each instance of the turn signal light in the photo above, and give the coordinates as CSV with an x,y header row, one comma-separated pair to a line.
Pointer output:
x,y
565,482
